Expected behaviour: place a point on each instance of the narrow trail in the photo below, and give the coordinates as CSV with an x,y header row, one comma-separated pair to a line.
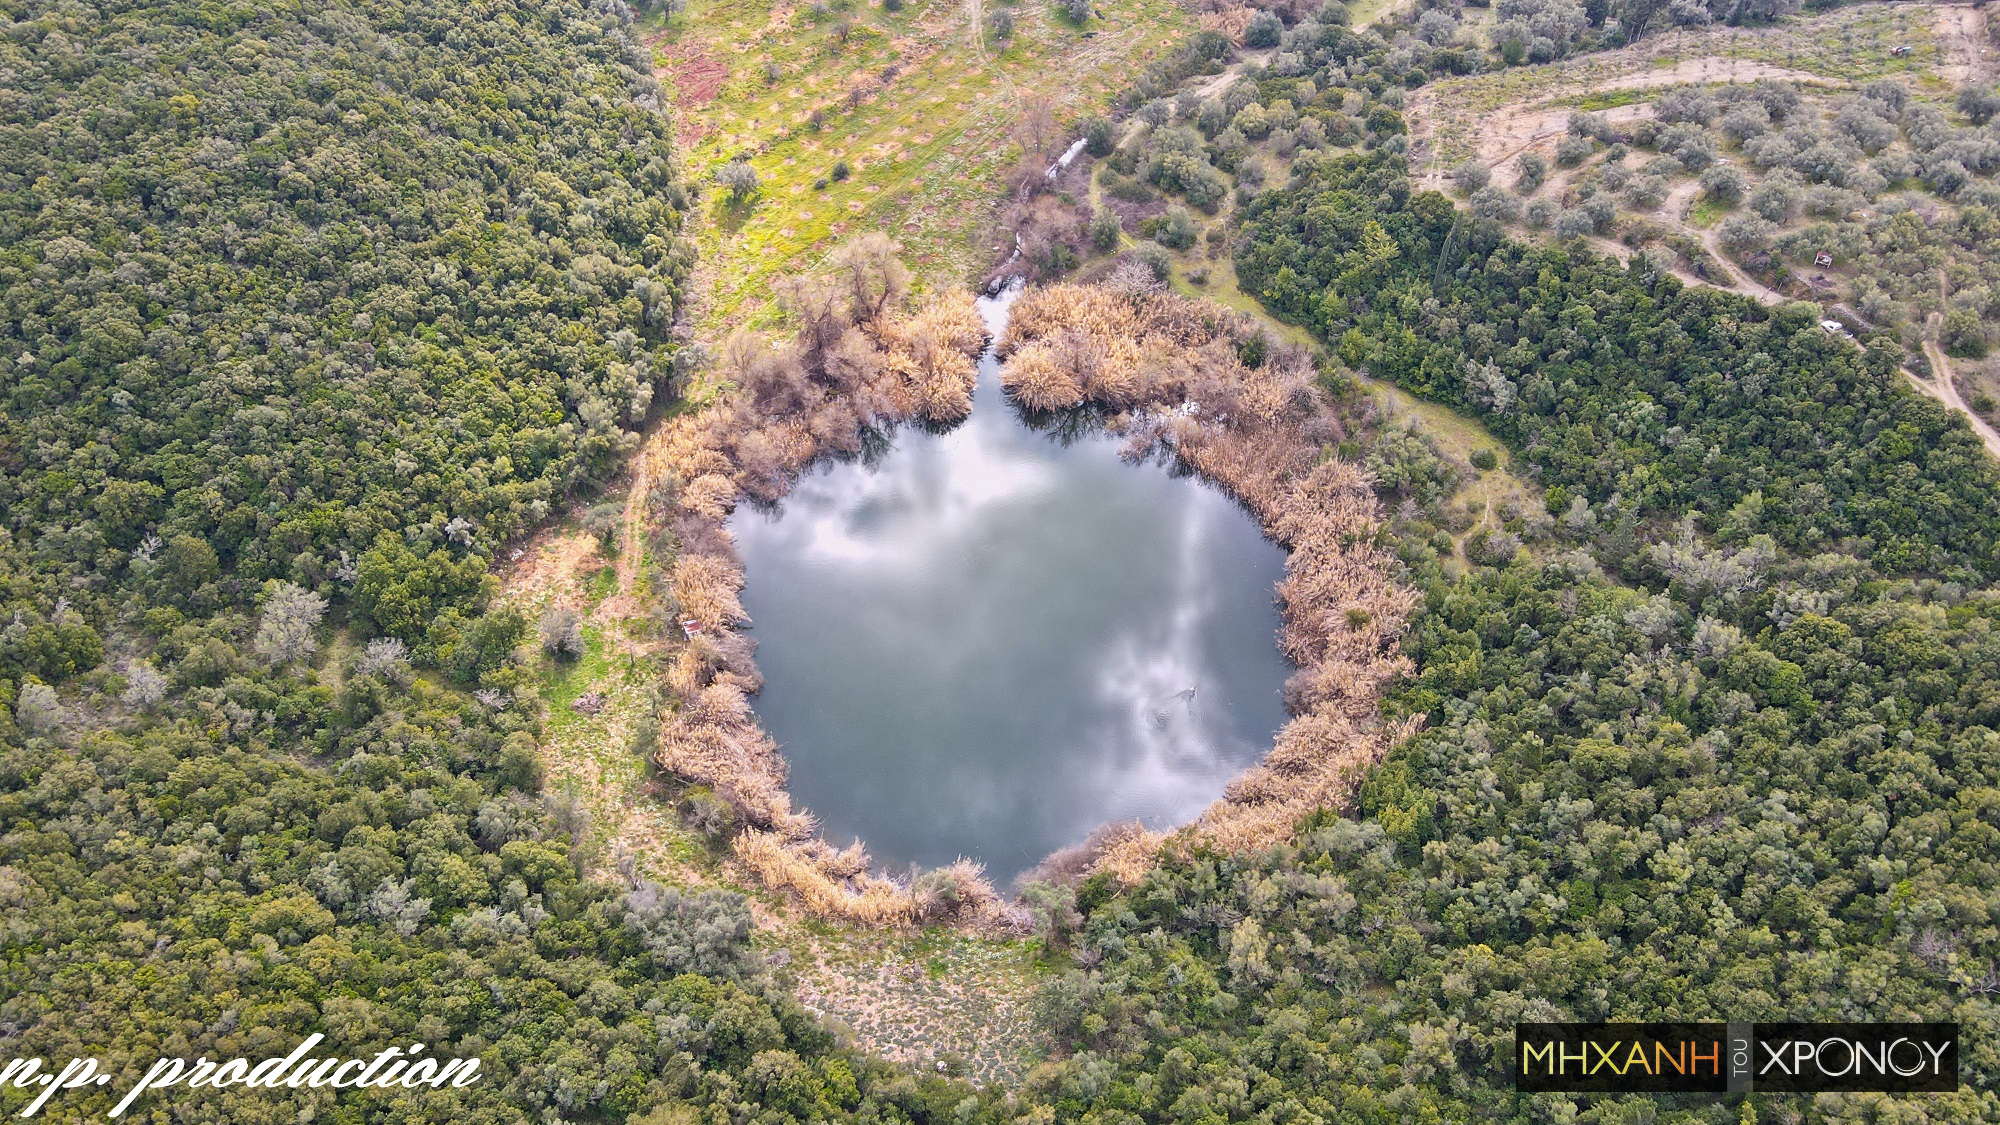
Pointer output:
x,y
1677,203
1216,85
1742,281
587,752
1944,388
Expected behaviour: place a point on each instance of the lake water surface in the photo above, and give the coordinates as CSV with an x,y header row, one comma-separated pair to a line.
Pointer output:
x,y
988,642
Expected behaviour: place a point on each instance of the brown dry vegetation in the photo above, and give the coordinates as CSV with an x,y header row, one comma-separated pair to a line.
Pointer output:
x,y
1171,369
860,358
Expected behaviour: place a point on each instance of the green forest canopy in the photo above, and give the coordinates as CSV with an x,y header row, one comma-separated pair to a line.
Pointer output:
x,y
281,288
1702,760
342,298
1616,380
309,305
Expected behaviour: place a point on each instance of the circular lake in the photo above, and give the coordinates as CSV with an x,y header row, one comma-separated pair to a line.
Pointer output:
x,y
986,642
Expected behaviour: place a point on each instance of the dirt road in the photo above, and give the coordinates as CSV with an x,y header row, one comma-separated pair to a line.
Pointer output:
x,y
1940,386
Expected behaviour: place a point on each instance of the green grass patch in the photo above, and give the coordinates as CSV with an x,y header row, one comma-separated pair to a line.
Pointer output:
x,y
563,682
1611,100
923,113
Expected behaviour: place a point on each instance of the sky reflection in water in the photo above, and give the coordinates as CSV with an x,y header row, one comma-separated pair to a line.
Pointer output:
x,y
984,642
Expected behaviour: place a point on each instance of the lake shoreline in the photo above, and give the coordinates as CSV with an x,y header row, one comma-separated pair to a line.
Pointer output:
x,y
1147,361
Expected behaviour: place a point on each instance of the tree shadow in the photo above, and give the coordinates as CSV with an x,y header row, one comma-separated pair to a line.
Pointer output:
x,y
730,214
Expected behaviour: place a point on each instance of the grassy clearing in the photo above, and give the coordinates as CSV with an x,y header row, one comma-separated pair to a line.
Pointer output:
x,y
1364,13
922,997
925,110
588,753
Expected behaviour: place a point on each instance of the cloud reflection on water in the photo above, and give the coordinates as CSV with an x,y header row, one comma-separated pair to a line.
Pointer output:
x,y
970,643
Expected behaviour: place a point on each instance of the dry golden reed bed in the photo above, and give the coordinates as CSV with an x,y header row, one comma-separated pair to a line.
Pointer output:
x,y
860,358
1173,370
1169,370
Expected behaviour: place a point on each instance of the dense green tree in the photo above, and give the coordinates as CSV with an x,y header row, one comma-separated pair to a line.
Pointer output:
x,y
1623,381
275,282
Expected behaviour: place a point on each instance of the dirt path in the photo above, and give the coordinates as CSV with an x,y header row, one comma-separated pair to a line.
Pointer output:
x,y
1712,242
1944,388
1216,85
1678,201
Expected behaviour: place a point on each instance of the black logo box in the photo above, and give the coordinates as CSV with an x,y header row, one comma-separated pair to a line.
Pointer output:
x,y
1897,1058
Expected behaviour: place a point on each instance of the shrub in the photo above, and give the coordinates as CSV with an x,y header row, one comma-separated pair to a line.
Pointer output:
x,y
1471,176
1745,234
604,521
1263,30
1602,212
1685,105
1774,202
1894,167
1724,184
841,171
739,179
1105,230
286,630
1179,230
1980,103
1574,222
1945,177
1592,126
1744,121
37,710
561,630
1495,204
1572,151
144,686
1963,335
1530,170
1437,27
1484,460
1692,145
1212,117
1098,137
1252,122
1646,193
